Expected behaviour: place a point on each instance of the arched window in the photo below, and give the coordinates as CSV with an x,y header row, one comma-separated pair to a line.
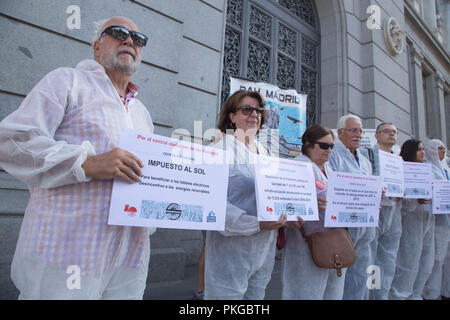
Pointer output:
x,y
274,41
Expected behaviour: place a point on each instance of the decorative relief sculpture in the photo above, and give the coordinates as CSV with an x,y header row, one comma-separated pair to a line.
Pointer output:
x,y
393,35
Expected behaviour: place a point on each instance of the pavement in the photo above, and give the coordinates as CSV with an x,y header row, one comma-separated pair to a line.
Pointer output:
x,y
183,289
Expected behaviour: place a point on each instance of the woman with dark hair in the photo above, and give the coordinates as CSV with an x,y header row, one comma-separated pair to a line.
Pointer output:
x,y
239,260
416,251
301,278
413,151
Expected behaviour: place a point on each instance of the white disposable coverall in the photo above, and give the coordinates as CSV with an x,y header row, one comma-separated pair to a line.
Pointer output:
x,y
341,160
442,231
239,260
387,239
445,289
415,256
70,114
301,278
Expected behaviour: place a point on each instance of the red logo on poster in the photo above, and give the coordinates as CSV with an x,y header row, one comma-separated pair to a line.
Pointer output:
x,y
269,209
333,218
130,210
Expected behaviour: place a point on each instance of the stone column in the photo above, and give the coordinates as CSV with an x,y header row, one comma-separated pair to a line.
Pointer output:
x,y
418,121
440,82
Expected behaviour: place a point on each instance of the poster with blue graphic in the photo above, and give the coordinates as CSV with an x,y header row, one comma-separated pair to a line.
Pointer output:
x,y
286,115
441,197
181,187
285,187
353,200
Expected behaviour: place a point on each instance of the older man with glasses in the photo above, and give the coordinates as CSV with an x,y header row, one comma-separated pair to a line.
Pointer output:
x,y
389,230
62,141
346,157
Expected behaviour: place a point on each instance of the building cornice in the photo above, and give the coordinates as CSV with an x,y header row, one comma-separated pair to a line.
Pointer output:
x,y
411,13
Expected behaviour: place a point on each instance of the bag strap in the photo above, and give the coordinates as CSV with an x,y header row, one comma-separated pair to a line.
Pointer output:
x,y
281,239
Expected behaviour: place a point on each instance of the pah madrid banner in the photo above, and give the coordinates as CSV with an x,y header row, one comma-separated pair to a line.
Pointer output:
x,y
286,114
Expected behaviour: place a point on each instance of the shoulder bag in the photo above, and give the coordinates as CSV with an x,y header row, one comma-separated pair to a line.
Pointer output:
x,y
331,249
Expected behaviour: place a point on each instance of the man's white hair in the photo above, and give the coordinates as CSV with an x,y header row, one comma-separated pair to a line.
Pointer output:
x,y
343,120
98,29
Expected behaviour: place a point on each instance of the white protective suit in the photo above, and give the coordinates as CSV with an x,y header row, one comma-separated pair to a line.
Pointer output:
x,y
415,256
442,231
70,114
445,289
301,278
239,261
387,239
341,160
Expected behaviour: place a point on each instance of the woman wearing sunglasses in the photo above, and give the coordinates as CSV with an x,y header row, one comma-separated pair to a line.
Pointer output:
x,y
239,261
415,255
301,278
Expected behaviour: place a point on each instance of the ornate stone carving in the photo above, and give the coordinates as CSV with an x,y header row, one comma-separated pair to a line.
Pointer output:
x,y
252,41
309,53
286,72
260,25
301,8
258,62
309,85
235,11
287,40
393,35
231,59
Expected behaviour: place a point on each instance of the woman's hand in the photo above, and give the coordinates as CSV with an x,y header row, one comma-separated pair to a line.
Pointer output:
x,y
296,224
272,225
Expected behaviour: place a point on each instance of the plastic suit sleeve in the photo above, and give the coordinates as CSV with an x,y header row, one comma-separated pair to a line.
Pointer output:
x,y
239,223
332,162
410,205
28,149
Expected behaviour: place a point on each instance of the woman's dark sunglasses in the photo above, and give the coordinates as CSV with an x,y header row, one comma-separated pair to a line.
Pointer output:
x,y
122,33
248,110
324,145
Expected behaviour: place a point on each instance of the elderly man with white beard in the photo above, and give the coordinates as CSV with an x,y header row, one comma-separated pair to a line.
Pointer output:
x,y
345,157
62,142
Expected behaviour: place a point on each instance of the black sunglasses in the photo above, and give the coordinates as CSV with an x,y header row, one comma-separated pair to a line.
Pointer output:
x,y
122,33
324,145
248,110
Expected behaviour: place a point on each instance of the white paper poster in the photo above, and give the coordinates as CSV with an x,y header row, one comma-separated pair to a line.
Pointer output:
x,y
289,190
418,180
391,170
184,185
441,197
353,200
286,110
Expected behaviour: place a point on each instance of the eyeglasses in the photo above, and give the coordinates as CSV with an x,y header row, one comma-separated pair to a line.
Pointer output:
x,y
122,33
388,131
248,110
324,145
353,130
